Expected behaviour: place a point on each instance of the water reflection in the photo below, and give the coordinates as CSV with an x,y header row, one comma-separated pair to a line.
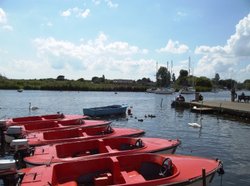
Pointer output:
x,y
220,137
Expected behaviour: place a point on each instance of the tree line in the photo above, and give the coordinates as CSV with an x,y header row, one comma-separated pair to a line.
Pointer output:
x,y
163,76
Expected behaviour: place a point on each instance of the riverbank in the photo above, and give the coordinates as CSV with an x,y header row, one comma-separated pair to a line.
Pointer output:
x,y
237,109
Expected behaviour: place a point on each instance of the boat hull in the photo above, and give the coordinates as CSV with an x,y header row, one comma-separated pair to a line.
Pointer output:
x,y
136,169
40,119
78,134
75,151
60,125
105,111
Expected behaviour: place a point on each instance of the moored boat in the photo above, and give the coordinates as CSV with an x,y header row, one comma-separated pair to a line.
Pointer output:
x,y
76,134
187,90
60,125
136,169
75,151
105,111
33,119
202,110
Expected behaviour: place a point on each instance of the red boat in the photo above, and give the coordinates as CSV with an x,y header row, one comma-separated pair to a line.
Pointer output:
x,y
59,125
75,151
77,134
137,170
39,119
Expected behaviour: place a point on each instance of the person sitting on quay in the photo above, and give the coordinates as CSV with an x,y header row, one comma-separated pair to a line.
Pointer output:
x,y
180,98
200,97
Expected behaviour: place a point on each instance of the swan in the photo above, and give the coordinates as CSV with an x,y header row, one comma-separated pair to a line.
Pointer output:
x,y
32,107
196,125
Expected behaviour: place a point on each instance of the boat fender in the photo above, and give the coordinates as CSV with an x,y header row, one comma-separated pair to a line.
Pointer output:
x,y
138,143
166,168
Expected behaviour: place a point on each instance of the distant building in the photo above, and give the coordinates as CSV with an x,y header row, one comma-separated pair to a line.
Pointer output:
x,y
60,78
123,81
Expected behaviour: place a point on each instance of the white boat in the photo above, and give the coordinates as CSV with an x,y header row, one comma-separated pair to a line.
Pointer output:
x,y
187,90
161,90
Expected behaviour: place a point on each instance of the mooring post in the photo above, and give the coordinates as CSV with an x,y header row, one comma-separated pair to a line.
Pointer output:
x,y
204,177
2,140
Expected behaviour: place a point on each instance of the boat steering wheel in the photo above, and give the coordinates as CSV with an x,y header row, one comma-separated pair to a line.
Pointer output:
x,y
138,143
109,129
166,168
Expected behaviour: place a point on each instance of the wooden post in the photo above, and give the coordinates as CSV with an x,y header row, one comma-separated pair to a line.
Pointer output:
x,y
204,177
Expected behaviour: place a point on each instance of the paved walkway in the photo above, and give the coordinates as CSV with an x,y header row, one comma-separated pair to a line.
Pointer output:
x,y
241,107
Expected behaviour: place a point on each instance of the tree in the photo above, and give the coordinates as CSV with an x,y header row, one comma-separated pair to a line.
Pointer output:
x,y
173,77
182,79
203,82
247,84
183,73
163,77
103,78
217,77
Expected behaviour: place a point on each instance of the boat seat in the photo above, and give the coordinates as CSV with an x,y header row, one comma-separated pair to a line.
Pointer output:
x,y
104,179
132,177
110,149
70,183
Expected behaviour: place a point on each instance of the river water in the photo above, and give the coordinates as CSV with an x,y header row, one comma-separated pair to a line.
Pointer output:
x,y
220,137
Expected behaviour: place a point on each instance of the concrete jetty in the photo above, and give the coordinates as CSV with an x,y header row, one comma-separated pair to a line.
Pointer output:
x,y
238,109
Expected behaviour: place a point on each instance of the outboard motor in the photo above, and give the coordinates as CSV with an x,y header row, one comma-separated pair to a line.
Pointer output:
x,y
8,171
3,123
13,132
21,150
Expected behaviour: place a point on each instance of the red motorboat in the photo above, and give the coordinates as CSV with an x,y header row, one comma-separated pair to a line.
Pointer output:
x,y
62,124
76,134
75,151
39,119
137,170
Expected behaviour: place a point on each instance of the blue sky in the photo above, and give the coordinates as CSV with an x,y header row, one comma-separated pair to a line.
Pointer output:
x,y
124,39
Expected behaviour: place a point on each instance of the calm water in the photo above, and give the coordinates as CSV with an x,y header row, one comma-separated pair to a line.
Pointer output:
x,y
223,138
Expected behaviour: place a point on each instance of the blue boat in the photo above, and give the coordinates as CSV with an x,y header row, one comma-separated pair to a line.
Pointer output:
x,y
105,111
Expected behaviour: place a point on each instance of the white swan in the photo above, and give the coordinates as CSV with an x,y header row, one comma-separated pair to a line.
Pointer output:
x,y
196,125
32,107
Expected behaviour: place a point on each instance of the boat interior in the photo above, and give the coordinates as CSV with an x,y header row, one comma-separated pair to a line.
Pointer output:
x,y
39,126
78,132
114,170
83,148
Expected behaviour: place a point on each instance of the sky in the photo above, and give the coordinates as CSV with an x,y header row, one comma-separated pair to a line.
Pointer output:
x,y
124,39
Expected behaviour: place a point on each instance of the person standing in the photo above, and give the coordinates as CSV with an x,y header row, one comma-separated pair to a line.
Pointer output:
x,y
233,94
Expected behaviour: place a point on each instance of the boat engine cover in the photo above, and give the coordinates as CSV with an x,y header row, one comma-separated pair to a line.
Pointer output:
x,y
14,130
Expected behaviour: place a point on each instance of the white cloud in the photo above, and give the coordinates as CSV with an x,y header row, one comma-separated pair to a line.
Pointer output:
x,y
225,59
4,22
174,47
111,4
181,14
8,27
94,57
77,12
66,13
96,2
85,13
3,17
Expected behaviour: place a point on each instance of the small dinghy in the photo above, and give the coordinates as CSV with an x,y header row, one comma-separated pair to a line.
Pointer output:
x,y
39,119
75,151
137,169
105,110
81,133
